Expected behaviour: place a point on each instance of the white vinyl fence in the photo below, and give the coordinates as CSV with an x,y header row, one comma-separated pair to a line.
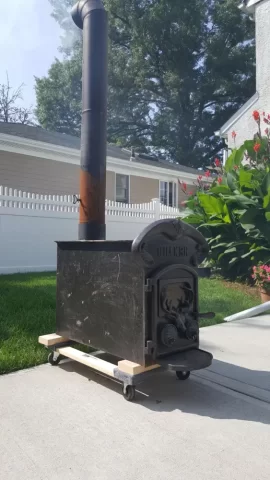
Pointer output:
x,y
30,224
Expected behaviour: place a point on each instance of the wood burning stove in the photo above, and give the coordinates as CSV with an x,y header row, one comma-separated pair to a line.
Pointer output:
x,y
135,300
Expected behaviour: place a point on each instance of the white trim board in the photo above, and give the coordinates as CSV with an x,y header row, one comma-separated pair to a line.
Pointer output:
x,y
250,6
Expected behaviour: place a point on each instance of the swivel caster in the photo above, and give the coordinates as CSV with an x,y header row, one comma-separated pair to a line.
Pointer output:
x,y
129,392
182,375
53,359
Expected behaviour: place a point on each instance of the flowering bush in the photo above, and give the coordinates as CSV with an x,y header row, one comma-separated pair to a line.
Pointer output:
x,y
203,182
261,276
232,206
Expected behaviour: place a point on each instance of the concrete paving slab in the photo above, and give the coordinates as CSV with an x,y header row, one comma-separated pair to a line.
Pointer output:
x,y
241,355
66,422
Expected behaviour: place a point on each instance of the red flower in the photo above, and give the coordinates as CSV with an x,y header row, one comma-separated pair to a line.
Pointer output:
x,y
268,116
190,193
217,162
236,167
266,131
219,180
207,174
257,147
256,115
199,178
264,114
183,185
234,134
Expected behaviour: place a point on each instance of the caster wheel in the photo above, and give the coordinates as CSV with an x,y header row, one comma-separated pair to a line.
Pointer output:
x,y
129,394
182,375
53,360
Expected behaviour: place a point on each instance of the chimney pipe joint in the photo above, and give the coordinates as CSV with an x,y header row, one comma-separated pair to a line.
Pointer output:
x,y
83,8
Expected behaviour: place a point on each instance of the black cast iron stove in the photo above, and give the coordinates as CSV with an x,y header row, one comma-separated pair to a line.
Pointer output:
x,y
135,300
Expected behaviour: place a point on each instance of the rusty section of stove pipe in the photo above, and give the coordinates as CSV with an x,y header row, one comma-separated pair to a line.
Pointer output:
x,y
91,17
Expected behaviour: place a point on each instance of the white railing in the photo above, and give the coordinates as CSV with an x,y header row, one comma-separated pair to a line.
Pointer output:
x,y
16,199
12,198
30,224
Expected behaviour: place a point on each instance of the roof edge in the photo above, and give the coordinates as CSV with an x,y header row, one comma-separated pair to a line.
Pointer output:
x,y
71,143
249,6
224,129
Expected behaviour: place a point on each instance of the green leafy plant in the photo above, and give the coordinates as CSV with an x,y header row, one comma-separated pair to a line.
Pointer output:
x,y
232,210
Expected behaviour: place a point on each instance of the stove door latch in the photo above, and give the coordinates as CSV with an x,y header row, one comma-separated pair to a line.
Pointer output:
x,y
148,287
150,348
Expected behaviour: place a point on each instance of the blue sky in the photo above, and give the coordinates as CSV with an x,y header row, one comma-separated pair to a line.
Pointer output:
x,y
29,41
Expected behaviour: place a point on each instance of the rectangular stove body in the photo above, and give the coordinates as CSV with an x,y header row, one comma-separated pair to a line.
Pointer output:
x,y
135,300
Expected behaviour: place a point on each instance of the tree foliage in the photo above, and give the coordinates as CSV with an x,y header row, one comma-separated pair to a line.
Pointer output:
x,y
10,111
177,72
234,213
59,97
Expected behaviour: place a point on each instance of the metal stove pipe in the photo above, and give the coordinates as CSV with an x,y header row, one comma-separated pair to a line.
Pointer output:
x,y
91,17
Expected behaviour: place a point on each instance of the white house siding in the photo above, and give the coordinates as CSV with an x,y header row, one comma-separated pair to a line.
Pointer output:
x,y
262,19
143,189
43,176
38,175
246,127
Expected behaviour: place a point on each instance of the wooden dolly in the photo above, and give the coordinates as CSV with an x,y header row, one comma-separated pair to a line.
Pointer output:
x,y
129,373
126,372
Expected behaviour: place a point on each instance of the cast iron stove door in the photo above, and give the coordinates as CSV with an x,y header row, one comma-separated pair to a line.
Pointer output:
x,y
174,310
169,250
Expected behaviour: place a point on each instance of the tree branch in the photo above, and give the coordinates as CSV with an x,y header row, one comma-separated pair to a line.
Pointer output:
x,y
123,20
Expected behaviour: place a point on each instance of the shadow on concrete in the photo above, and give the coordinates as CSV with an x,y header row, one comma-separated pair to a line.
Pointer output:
x,y
255,378
163,392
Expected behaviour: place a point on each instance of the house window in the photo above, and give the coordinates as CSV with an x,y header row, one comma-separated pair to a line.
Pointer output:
x,y
122,188
167,193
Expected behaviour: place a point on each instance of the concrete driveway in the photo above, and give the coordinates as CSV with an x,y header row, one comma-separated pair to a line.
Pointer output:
x,y
65,422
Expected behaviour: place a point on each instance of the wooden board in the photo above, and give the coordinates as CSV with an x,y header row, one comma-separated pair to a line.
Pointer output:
x,y
51,339
88,360
134,368
91,360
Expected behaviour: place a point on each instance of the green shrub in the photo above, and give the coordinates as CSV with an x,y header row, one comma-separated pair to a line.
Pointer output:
x,y
233,210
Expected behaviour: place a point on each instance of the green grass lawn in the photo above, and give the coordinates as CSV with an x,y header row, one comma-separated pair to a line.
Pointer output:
x,y
27,310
